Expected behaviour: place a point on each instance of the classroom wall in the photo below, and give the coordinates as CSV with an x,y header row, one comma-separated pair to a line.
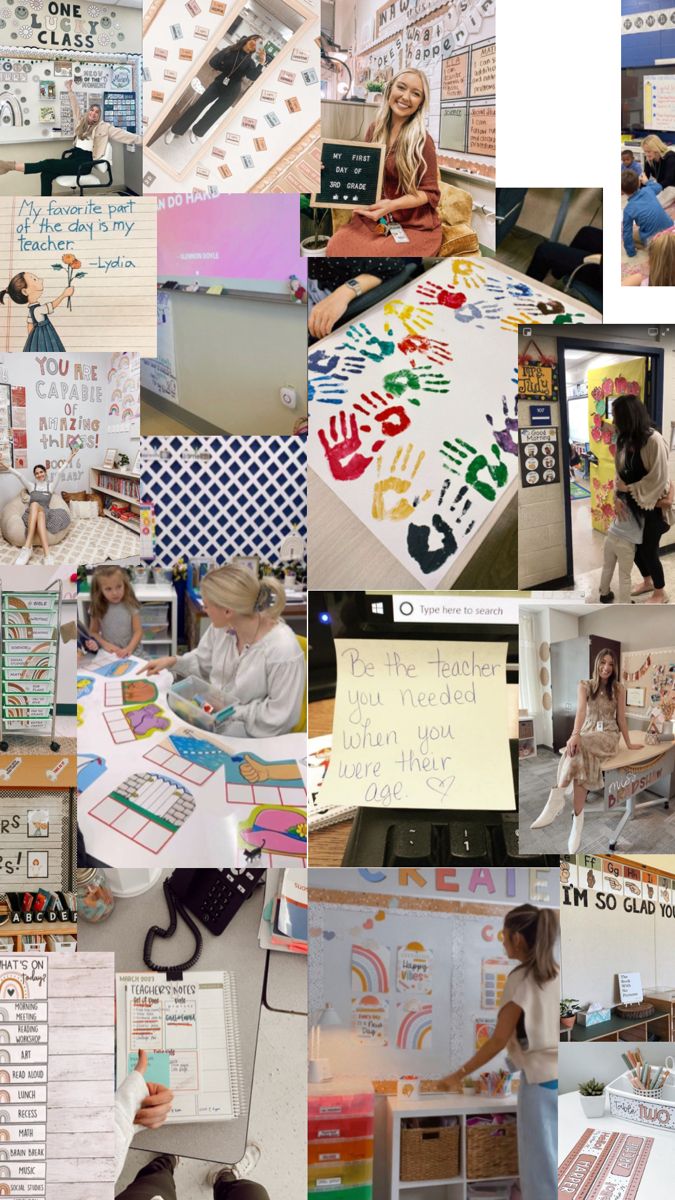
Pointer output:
x,y
233,356
250,494
541,205
541,541
642,49
94,396
646,630
115,27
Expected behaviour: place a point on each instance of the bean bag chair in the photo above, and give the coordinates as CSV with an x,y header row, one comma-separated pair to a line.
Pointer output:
x,y
12,526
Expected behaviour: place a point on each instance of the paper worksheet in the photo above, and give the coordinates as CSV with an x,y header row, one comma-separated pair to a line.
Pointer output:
x,y
189,1029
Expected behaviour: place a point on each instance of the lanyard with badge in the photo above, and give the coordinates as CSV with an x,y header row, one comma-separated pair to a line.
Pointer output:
x,y
387,225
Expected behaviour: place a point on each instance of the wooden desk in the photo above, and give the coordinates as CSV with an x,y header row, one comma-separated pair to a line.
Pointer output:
x,y
608,1031
326,847
664,1000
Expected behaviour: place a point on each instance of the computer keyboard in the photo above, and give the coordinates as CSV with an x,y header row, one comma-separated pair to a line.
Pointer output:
x,y
429,838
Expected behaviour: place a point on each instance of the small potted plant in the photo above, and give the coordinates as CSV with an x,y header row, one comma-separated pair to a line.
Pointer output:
x,y
122,461
376,88
592,1094
470,1086
315,245
568,1013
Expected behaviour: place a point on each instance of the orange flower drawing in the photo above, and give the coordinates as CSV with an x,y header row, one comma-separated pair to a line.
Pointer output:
x,y
72,265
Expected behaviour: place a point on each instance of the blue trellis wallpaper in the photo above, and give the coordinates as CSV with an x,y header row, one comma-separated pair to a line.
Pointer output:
x,y
219,496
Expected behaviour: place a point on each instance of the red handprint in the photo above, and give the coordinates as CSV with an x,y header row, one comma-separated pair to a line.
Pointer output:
x,y
392,418
433,293
430,348
341,448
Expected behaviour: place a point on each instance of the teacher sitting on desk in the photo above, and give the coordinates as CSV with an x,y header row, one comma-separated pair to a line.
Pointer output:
x,y
528,1029
411,188
91,142
248,653
599,724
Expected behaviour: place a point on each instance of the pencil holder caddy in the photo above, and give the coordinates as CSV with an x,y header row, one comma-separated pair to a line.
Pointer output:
x,y
654,1108
186,698
648,1093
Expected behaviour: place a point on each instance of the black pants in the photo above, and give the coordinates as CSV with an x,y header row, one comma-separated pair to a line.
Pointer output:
x,y
647,555
50,168
156,1179
561,260
223,97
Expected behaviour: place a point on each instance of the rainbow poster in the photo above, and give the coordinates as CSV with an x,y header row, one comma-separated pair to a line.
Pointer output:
x,y
414,1025
370,1017
413,969
370,968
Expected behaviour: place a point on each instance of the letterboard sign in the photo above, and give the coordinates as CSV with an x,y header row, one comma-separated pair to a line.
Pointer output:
x,y
351,174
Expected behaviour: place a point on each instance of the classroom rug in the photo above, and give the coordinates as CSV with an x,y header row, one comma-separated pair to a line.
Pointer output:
x,y
88,541
604,1165
578,491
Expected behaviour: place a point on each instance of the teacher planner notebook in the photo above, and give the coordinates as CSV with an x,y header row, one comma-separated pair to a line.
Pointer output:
x,y
190,1030
104,248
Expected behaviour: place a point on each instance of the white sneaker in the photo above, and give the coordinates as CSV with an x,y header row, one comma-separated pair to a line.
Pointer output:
x,y
552,809
239,1170
194,137
48,560
575,834
23,556
169,137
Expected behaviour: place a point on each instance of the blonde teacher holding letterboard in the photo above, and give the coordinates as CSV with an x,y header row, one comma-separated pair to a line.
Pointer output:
x,y
405,221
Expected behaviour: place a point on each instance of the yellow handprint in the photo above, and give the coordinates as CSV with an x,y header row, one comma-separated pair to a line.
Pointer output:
x,y
511,323
397,482
412,318
467,273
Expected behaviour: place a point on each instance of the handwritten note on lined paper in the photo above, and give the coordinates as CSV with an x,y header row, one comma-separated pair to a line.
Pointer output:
x,y
420,725
104,247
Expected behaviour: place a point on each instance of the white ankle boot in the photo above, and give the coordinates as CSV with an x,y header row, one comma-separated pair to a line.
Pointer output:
x,y
575,834
552,809
169,137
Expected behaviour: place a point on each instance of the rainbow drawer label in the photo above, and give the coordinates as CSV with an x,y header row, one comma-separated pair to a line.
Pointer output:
x,y
12,724
19,633
15,708
28,687
43,674
34,601
35,659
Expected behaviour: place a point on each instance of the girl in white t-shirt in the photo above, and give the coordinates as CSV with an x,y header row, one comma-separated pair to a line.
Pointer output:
x,y
248,654
528,1028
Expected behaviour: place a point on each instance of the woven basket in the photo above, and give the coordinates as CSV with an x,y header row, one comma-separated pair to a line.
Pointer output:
x,y
429,1153
491,1151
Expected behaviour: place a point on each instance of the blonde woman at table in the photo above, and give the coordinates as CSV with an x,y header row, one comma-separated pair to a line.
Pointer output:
x,y
528,1028
411,190
248,653
599,724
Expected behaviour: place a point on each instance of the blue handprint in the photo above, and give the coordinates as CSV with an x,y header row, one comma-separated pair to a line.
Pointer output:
x,y
325,390
364,342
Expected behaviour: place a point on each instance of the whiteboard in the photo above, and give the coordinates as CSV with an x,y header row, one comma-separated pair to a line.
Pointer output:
x,y
466,960
658,94
34,104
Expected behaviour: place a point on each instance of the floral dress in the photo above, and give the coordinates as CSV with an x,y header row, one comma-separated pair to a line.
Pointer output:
x,y
595,745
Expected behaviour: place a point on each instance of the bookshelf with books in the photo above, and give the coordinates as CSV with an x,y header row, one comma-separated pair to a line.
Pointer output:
x,y
120,492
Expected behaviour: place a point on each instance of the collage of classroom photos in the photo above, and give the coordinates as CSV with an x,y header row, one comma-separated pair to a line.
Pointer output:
x,y
410,977
615,1061
647,143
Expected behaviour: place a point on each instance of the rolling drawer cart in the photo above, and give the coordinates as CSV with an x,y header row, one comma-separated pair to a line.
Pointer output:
x,y
30,623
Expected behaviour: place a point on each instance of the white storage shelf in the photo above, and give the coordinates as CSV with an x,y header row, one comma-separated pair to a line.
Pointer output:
x,y
435,1105
134,504
149,595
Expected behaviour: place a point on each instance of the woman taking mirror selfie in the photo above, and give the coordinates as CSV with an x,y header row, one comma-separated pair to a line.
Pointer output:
x,y
244,60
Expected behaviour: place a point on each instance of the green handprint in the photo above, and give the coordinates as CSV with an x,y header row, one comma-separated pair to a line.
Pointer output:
x,y
459,453
422,379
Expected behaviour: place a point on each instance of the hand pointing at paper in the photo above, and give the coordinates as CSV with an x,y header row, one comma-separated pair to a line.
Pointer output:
x,y
157,1105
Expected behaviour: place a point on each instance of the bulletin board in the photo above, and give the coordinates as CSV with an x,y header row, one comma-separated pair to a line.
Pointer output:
x,y
36,839
653,671
658,98
603,384
454,44
614,918
34,103
416,978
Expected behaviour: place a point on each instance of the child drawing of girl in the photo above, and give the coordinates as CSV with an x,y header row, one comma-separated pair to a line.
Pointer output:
x,y
26,288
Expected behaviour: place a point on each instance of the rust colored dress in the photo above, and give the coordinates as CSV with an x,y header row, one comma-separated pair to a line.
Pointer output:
x,y
595,745
359,237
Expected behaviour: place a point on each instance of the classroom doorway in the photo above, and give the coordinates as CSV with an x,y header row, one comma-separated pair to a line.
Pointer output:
x,y
591,374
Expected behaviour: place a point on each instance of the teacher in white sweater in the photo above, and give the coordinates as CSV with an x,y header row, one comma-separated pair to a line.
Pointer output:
x,y
248,653
527,1029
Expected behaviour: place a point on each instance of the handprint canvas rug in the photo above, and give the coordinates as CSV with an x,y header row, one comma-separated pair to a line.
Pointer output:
x,y
413,408
153,791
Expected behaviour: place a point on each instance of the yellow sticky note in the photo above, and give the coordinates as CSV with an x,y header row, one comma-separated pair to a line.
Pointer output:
x,y
420,725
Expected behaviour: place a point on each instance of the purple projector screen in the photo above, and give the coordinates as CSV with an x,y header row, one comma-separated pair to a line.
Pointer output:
x,y
229,239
